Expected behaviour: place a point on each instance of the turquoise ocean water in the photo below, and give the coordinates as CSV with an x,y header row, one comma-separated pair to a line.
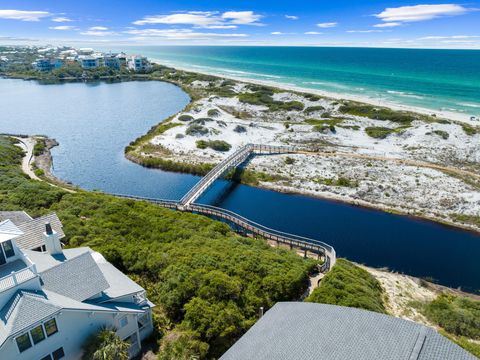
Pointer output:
x,y
447,80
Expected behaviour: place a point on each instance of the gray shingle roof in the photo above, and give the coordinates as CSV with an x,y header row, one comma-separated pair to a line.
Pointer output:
x,y
17,217
22,310
33,231
308,331
79,278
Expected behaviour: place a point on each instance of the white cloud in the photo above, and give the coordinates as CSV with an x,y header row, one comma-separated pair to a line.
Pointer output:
x,y
23,15
327,25
178,34
242,17
61,19
420,12
98,28
388,24
98,33
204,19
291,17
365,31
454,37
277,33
62,27
313,33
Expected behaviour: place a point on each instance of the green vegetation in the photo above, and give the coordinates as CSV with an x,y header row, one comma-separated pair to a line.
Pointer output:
x,y
349,285
334,121
264,97
467,219
469,345
213,112
379,113
196,129
185,118
39,147
469,130
341,181
459,316
379,132
207,282
443,134
106,345
289,160
312,97
312,109
217,145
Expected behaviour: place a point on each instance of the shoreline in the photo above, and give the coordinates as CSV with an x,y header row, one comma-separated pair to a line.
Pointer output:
x,y
329,94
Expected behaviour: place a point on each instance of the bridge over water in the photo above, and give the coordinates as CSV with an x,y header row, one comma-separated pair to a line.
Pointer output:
x,y
187,203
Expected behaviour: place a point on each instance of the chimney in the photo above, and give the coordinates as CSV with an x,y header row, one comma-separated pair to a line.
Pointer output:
x,y
52,242
260,312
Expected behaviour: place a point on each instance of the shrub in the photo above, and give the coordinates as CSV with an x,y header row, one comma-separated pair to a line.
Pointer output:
x,y
312,109
213,112
106,345
196,129
240,129
39,147
457,315
469,130
185,118
348,285
289,160
179,136
373,112
217,145
379,132
443,134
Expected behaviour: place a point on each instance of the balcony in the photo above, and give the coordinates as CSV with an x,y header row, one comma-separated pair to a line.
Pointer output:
x,y
16,272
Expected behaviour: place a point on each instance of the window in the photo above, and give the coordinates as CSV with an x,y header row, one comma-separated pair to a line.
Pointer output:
x,y
143,320
58,354
37,334
47,357
23,342
51,327
8,248
123,322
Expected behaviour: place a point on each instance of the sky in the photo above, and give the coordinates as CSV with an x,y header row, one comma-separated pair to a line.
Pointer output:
x,y
239,22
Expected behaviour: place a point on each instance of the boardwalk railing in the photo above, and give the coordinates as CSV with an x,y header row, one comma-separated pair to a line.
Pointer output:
x,y
187,204
294,241
230,162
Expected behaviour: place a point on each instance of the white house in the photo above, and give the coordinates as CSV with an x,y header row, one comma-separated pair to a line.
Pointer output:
x,y
138,62
52,299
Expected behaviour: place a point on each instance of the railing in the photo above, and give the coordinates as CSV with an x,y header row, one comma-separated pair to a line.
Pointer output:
x,y
239,156
303,243
17,277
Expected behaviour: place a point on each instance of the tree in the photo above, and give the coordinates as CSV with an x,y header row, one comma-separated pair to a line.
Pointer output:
x,y
106,345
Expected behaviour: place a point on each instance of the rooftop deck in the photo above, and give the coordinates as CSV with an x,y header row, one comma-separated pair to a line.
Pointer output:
x,y
16,272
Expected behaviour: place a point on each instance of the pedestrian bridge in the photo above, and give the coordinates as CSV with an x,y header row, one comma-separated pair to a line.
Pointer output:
x,y
241,224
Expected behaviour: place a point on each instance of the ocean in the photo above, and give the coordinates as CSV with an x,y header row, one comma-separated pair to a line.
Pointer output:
x,y
439,80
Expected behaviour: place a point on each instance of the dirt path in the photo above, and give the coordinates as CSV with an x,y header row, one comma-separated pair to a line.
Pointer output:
x,y
27,145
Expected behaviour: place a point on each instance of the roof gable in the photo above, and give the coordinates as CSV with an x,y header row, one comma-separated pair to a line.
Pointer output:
x,y
79,278
33,231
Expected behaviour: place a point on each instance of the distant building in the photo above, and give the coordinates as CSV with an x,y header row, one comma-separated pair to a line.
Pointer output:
x,y
122,58
4,63
53,299
308,331
112,61
85,51
47,64
138,63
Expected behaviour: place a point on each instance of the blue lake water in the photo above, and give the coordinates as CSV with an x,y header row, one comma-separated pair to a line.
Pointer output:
x,y
94,122
433,79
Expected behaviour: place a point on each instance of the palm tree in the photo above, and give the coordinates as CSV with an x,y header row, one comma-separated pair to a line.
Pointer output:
x,y
106,345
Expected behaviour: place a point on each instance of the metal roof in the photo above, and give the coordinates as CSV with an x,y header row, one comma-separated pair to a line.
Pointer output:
x,y
79,278
33,230
309,331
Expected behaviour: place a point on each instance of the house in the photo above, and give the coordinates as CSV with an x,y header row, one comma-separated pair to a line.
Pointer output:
x,y
112,61
88,62
138,63
53,299
47,64
309,331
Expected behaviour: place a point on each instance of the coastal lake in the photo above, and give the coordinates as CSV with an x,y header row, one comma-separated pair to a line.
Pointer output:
x,y
93,122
